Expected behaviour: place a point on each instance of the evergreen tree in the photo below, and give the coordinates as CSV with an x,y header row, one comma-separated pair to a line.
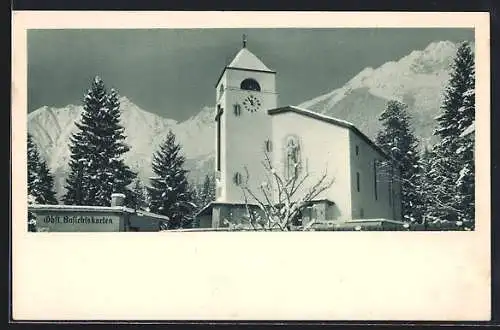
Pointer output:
x,y
426,186
454,161
169,191
76,192
137,198
40,182
31,216
465,153
119,176
398,140
207,191
96,166
204,194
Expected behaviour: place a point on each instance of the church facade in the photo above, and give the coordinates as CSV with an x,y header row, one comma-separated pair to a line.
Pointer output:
x,y
252,130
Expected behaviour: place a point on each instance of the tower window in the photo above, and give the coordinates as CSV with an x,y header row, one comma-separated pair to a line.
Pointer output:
x,y
221,89
237,109
361,213
292,157
250,84
238,179
357,181
357,150
269,146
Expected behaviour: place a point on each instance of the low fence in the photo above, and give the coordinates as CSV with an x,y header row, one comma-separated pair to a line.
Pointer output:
x,y
355,225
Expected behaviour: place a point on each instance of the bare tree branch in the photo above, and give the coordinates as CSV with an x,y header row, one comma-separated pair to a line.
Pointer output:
x,y
286,204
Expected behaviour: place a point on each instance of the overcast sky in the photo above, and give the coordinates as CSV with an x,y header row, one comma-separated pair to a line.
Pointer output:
x,y
173,72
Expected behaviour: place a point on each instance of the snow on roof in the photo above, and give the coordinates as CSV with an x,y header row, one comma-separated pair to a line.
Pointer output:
x,y
373,220
89,208
328,119
339,121
59,207
207,209
247,60
149,214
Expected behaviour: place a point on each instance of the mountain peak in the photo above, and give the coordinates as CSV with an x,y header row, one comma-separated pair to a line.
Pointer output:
x,y
206,115
418,79
124,99
126,103
440,46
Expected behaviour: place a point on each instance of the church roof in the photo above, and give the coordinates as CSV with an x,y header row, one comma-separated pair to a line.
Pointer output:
x,y
245,59
328,119
89,208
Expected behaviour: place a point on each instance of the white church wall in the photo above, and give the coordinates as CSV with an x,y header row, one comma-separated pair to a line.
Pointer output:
x,y
366,203
323,146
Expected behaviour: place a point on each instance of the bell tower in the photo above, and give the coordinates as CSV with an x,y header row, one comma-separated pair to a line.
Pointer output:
x,y
245,90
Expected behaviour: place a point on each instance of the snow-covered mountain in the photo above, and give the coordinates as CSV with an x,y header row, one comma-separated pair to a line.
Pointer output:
x,y
52,127
417,79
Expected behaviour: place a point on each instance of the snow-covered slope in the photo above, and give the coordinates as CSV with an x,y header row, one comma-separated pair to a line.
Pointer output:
x,y
417,79
52,127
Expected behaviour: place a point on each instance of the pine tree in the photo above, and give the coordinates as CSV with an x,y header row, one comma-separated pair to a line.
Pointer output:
x,y
137,198
465,153
398,140
204,194
454,161
76,192
120,176
96,166
427,186
40,182
169,190
207,191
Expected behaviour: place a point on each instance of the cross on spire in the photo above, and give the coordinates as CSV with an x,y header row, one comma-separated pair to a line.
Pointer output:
x,y
244,40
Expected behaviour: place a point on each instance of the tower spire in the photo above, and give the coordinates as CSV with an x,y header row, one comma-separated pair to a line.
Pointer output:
x,y
244,41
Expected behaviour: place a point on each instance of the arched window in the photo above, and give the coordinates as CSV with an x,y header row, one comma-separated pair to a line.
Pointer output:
x,y
292,157
238,178
250,84
221,89
237,109
269,146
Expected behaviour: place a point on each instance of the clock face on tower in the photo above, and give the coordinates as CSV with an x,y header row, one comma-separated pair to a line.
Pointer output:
x,y
252,103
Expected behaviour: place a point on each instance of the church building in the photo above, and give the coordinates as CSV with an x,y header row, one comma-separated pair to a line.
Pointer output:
x,y
251,128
